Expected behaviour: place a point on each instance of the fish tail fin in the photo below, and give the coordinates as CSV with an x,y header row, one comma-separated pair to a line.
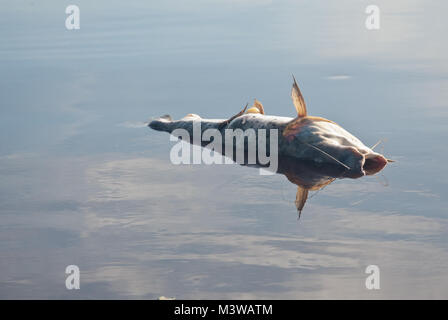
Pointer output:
x,y
161,123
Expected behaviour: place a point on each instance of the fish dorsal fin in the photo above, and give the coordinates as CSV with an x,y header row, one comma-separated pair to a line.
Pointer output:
x,y
257,107
301,196
166,117
226,122
298,100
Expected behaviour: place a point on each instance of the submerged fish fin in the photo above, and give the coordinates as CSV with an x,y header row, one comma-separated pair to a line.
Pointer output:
x,y
390,160
298,100
301,197
226,122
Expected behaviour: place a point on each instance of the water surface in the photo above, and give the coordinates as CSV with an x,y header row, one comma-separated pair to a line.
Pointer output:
x,y
83,181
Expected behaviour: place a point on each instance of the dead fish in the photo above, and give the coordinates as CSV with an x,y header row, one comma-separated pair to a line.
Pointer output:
x,y
305,137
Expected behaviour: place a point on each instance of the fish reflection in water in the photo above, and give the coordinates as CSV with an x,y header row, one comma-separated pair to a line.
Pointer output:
x,y
311,151
308,176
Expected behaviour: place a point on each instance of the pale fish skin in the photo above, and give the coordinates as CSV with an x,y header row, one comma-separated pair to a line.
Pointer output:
x,y
305,138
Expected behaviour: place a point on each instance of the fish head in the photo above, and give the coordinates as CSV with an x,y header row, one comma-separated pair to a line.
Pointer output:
x,y
360,160
324,141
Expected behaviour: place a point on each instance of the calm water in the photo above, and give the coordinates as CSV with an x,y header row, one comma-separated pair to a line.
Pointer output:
x,y
84,182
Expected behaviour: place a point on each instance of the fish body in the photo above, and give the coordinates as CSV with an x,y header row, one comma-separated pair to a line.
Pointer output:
x,y
304,138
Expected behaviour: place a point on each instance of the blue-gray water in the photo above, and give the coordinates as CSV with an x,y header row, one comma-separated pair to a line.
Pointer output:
x,y
83,182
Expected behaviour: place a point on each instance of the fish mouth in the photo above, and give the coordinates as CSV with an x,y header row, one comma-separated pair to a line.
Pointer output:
x,y
363,163
373,163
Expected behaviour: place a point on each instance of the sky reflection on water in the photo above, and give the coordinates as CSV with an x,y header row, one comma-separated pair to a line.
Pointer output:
x,y
84,182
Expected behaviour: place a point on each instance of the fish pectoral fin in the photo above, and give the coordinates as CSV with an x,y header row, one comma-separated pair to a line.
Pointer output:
x,y
298,100
226,122
301,197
